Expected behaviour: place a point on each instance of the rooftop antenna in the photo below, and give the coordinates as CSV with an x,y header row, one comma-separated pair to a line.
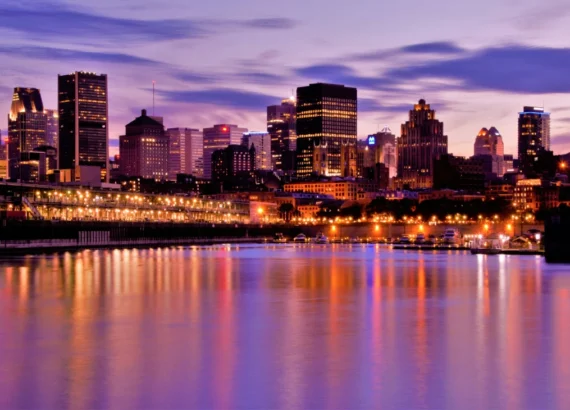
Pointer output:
x,y
153,83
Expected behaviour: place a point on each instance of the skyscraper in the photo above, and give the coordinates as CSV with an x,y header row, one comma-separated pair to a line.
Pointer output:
x,y
534,136
326,116
422,141
144,149
381,149
490,149
52,128
489,142
191,148
26,127
262,143
83,121
219,137
281,125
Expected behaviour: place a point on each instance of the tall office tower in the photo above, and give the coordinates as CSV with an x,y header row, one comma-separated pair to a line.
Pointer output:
x,y
489,142
326,116
490,149
2,148
219,137
144,149
174,154
191,147
83,122
422,141
26,127
381,149
534,136
281,125
262,143
52,128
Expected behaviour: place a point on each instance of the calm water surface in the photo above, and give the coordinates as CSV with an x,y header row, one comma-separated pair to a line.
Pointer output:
x,y
295,327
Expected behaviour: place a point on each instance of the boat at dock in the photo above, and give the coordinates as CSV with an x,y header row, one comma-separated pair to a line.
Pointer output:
x,y
301,238
321,238
279,238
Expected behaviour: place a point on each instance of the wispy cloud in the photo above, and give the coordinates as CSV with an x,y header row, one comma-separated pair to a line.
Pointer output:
x,y
67,24
60,54
510,68
54,21
437,48
342,74
224,97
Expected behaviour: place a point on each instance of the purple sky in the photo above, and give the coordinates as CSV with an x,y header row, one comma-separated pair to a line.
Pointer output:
x,y
225,60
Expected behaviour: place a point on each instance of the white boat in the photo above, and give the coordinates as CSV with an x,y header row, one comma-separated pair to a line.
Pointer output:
x,y
301,238
420,239
405,240
321,238
451,237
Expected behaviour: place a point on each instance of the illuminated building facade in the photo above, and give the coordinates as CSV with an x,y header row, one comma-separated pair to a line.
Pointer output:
x,y
261,141
532,195
422,141
337,188
534,137
26,127
219,137
83,121
281,125
326,117
144,149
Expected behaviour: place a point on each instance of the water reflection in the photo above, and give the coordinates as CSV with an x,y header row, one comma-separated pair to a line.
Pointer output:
x,y
283,327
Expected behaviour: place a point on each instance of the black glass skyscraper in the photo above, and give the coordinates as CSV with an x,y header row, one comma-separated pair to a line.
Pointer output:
x,y
83,121
281,123
534,137
326,116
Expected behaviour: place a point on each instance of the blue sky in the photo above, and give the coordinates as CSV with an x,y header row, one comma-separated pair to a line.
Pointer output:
x,y
225,60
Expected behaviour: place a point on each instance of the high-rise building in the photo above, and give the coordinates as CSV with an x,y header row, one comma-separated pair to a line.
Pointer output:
x,y
144,149
52,128
186,148
26,127
2,148
262,143
381,149
489,142
219,137
534,137
326,116
281,125
232,161
422,141
489,147
83,122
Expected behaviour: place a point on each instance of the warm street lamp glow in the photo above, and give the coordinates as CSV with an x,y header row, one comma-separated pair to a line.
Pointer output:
x,y
260,211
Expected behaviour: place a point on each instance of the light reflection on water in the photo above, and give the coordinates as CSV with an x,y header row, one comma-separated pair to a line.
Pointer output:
x,y
283,327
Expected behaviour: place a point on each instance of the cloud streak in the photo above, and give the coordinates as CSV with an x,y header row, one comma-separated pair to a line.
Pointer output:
x,y
224,97
510,68
60,54
64,23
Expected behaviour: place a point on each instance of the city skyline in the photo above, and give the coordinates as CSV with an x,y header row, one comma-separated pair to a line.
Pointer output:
x,y
225,84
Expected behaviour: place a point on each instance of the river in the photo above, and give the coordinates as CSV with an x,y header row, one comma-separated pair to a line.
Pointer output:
x,y
283,326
